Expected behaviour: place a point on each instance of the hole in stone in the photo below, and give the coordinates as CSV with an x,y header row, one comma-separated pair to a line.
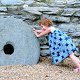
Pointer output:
x,y
8,49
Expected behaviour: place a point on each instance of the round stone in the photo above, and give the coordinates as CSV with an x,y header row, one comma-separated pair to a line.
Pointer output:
x,y
18,44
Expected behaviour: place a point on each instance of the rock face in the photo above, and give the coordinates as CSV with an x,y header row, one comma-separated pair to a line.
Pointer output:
x,y
18,44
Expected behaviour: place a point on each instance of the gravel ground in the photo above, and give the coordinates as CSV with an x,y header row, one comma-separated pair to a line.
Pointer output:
x,y
42,71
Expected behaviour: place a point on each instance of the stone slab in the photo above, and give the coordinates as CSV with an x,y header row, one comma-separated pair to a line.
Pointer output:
x,y
57,18
71,29
3,9
11,2
77,14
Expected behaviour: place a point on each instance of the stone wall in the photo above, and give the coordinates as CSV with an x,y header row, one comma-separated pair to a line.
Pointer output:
x,y
65,14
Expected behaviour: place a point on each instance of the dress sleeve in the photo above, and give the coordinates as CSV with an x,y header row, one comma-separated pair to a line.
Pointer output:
x,y
52,29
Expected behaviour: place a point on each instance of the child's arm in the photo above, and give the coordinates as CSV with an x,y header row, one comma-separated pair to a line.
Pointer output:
x,y
42,33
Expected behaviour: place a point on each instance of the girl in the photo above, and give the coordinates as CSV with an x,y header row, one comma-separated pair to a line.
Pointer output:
x,y
60,45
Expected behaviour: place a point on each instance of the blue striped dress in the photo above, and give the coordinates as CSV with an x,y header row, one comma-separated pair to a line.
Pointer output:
x,y
60,45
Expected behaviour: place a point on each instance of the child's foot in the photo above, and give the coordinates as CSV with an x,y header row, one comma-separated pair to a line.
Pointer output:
x,y
77,70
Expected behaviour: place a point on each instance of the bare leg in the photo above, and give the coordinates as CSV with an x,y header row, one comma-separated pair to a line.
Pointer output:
x,y
75,60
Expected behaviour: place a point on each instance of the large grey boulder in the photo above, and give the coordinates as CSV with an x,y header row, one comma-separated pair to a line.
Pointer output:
x,y
18,44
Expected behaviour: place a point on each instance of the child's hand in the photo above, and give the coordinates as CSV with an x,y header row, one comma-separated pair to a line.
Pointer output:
x,y
33,29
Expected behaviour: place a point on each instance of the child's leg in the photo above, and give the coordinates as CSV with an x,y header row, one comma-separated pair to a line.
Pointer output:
x,y
77,70
75,60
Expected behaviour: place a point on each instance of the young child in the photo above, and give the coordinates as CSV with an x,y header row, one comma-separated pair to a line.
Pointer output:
x,y
60,45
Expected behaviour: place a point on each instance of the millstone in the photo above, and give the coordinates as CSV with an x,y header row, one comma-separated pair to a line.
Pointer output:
x,y
18,44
